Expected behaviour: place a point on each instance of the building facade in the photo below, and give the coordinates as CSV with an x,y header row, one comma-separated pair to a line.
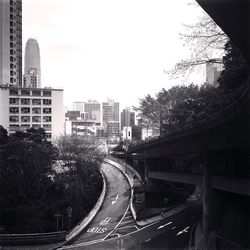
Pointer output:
x,y
110,111
112,131
23,108
93,111
213,70
110,119
11,42
127,118
32,68
78,106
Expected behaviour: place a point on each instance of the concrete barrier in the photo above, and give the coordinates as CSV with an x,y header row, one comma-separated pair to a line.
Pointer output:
x,y
130,181
84,223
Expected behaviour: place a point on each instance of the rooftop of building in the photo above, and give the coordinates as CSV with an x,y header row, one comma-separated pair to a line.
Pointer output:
x,y
28,88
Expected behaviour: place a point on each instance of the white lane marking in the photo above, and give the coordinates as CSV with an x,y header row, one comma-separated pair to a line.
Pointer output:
x,y
174,227
127,227
147,240
126,222
162,226
185,230
126,217
117,223
113,202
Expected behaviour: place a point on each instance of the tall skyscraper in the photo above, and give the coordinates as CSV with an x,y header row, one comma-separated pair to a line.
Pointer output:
x,y
11,42
127,118
32,69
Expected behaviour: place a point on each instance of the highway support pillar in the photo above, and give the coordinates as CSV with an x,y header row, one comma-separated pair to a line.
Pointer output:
x,y
207,199
145,170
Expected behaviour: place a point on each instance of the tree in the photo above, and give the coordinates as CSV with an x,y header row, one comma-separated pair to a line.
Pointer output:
x,y
236,68
25,175
203,38
80,162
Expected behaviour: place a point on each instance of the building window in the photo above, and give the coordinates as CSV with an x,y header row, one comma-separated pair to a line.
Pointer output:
x,y
47,127
14,101
25,110
47,110
46,93
36,102
25,101
14,127
14,119
25,119
36,125
36,119
47,102
48,135
14,110
25,126
36,93
47,119
13,91
25,92
36,110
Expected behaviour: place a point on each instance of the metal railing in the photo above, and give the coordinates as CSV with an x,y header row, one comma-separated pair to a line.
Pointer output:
x,y
34,238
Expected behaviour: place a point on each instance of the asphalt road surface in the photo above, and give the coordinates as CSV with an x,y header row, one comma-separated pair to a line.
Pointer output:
x,y
114,208
114,227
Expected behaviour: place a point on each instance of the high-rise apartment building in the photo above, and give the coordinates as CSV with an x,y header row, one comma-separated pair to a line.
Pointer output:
x,y
11,42
32,68
127,118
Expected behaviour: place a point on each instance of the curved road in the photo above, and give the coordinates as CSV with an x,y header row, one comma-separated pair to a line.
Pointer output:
x,y
114,227
114,208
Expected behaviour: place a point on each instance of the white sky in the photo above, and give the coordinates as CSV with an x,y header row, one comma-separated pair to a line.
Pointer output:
x,y
95,49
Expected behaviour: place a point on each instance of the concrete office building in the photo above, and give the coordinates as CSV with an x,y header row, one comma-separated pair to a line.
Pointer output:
x,y
23,108
127,118
93,111
78,106
110,118
11,42
79,124
110,111
213,70
113,131
32,68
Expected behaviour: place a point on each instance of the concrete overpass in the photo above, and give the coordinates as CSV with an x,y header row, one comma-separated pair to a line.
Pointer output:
x,y
219,146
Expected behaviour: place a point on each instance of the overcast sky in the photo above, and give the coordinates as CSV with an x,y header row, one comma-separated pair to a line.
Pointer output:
x,y
95,49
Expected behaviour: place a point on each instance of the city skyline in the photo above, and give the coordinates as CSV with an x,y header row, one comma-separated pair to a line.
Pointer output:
x,y
107,50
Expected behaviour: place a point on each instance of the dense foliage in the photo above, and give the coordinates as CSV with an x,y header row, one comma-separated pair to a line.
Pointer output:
x,y
183,105
32,191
